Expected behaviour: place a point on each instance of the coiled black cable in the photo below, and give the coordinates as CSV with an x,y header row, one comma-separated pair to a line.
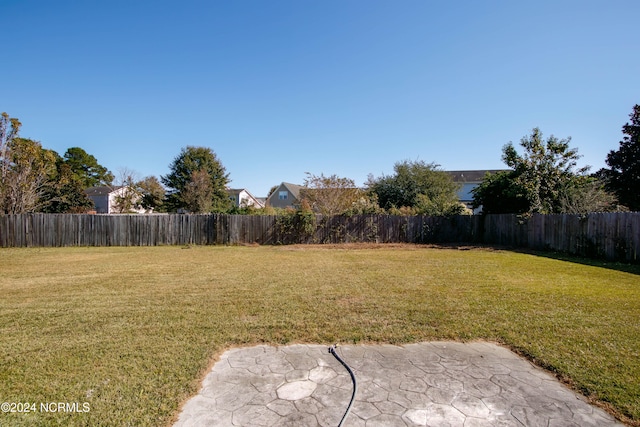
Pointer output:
x,y
332,350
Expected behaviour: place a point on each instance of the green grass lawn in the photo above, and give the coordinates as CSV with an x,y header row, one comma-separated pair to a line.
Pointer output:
x,y
131,331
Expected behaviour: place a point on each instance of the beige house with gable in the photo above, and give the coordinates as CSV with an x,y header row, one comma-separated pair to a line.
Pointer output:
x,y
287,195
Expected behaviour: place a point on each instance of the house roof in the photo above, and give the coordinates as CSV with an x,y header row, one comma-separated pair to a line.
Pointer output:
x,y
472,175
237,191
293,188
102,190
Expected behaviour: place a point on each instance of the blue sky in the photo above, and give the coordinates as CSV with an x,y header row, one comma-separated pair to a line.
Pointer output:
x,y
280,88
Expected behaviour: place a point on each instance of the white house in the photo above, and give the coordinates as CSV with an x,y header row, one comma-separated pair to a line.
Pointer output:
x,y
105,199
242,198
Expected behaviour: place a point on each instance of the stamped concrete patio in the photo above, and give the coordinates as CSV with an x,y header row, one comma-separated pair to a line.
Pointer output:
x,y
426,384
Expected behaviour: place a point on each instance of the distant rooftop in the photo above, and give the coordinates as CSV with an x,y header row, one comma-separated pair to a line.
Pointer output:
x,y
472,175
102,190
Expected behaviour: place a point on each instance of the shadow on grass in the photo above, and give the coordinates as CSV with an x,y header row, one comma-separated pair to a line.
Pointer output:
x,y
612,265
560,256
462,246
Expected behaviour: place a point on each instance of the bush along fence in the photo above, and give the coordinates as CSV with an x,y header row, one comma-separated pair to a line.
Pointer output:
x,y
613,236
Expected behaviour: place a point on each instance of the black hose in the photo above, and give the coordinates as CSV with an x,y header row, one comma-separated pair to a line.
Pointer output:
x,y
332,350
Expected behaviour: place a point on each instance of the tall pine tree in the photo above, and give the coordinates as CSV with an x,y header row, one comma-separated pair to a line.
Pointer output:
x,y
623,177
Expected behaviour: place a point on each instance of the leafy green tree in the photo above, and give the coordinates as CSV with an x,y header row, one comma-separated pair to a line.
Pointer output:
x,y
185,179
500,193
33,178
367,204
27,169
86,168
544,179
65,191
441,204
153,194
544,169
623,175
417,187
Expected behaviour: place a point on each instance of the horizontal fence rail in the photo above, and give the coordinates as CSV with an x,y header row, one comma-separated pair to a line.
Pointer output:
x,y
613,236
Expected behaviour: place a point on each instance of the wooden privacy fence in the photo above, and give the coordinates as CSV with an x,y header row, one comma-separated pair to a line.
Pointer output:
x,y
43,230
614,236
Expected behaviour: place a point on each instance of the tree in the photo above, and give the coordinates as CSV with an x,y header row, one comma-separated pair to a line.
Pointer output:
x,y
586,194
86,168
544,170
500,193
26,172
623,175
197,195
417,187
182,182
33,178
330,195
9,129
65,191
128,199
271,190
153,194
545,179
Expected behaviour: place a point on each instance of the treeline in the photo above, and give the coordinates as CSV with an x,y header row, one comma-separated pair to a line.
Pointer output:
x,y
35,179
543,177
